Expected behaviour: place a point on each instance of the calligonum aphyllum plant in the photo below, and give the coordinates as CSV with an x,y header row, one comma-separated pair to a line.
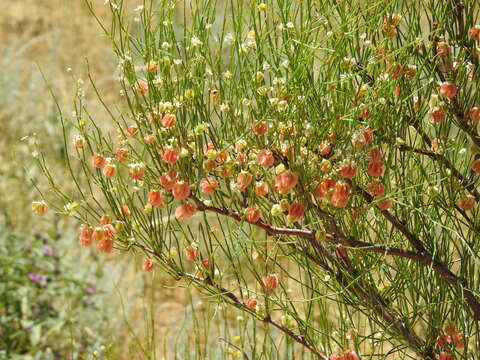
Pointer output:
x,y
314,165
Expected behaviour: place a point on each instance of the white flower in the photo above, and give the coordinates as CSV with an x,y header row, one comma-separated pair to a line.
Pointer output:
x,y
247,102
229,39
196,41
158,81
233,187
227,74
273,101
224,108
70,207
282,106
243,48
207,202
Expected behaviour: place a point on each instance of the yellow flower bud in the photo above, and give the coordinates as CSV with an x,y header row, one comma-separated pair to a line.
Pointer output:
x,y
325,166
279,169
284,204
262,7
148,208
189,94
320,236
119,226
276,210
259,77
432,191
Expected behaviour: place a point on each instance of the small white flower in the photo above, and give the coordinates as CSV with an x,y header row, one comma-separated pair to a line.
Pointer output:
x,y
282,106
273,101
158,81
229,39
247,102
70,207
243,48
195,41
224,108
227,74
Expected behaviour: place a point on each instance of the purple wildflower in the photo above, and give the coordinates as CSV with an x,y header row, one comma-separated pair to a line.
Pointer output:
x,y
37,278
91,290
47,251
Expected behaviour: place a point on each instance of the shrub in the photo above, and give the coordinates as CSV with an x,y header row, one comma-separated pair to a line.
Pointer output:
x,y
48,307
312,164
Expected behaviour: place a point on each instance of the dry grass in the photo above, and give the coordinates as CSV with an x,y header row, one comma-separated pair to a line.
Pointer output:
x,y
53,35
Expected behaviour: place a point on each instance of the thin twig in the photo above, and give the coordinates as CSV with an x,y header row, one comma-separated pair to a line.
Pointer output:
x,y
427,258
239,304
442,159
370,298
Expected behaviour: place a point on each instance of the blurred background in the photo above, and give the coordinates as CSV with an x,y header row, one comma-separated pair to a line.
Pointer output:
x,y
56,300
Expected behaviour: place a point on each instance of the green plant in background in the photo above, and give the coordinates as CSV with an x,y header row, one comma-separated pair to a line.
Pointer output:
x,y
48,306
313,165
45,310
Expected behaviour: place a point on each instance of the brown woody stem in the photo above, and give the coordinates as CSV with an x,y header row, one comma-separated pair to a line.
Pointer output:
x,y
427,258
378,305
206,281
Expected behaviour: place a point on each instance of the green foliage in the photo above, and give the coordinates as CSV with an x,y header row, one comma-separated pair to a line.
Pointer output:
x,y
362,121
49,307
